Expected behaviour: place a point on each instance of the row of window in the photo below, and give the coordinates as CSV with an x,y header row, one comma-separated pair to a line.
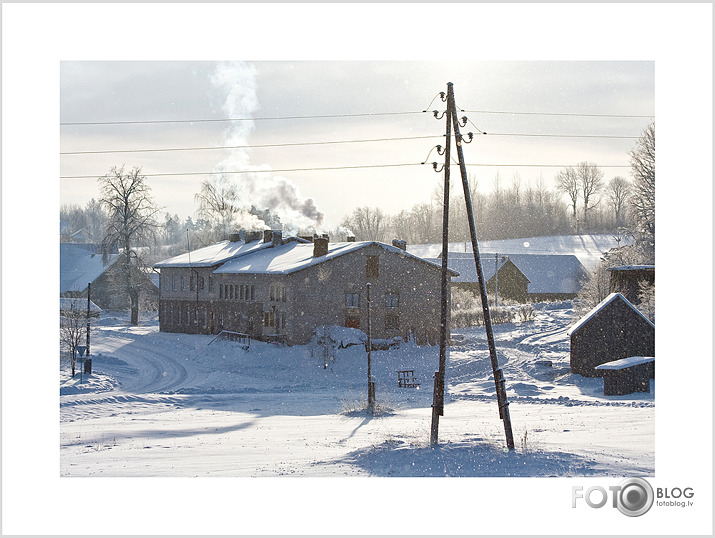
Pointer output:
x,y
188,282
238,292
352,300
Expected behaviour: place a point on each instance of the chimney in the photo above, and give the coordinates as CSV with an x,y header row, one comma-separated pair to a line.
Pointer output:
x,y
267,236
253,236
399,243
320,246
350,239
277,237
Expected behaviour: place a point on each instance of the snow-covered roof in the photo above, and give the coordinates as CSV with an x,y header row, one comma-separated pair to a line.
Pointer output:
x,y
467,269
215,254
546,273
81,264
293,256
588,248
550,273
633,268
78,304
620,364
600,306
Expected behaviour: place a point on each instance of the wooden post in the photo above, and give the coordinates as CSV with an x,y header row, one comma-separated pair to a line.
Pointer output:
x,y
370,383
438,398
498,375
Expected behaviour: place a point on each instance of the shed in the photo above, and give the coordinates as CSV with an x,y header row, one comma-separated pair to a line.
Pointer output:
x,y
612,330
625,376
498,272
625,279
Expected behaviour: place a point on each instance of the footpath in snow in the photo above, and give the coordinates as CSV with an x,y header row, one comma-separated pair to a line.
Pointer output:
x,y
162,404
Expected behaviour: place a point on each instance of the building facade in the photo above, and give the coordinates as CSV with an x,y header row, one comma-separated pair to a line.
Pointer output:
x,y
281,290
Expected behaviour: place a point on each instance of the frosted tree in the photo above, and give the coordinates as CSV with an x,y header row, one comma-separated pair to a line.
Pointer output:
x,y
218,202
618,191
131,211
643,170
567,183
590,184
73,329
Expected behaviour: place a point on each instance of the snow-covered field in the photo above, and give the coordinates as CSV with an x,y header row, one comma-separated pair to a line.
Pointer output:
x,y
174,405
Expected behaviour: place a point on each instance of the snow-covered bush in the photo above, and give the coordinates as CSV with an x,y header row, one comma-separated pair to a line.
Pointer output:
x,y
467,311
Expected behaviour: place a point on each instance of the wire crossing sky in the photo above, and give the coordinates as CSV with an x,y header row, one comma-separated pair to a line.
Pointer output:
x,y
342,134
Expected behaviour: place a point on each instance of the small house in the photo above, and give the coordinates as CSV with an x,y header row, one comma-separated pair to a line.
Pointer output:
x,y
613,330
83,263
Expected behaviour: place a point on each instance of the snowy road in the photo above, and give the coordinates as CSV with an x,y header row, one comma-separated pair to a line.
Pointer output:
x,y
162,404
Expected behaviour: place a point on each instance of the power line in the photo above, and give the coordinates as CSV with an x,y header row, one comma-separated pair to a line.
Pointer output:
x,y
560,114
356,167
356,115
252,146
203,120
289,144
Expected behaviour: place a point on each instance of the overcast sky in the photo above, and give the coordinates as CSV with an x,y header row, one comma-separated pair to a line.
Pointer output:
x,y
151,91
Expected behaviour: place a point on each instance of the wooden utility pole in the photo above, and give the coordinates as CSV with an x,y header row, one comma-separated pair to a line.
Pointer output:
x,y
438,396
498,375
370,382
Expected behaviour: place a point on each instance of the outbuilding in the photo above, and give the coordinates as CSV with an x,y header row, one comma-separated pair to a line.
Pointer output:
x,y
614,329
628,375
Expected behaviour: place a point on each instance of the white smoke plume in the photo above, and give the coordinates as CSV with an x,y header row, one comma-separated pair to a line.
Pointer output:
x,y
237,82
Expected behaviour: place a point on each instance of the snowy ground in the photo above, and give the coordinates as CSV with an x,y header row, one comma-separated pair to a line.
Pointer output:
x,y
174,405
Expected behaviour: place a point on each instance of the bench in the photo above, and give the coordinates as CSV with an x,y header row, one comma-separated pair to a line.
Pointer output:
x,y
407,379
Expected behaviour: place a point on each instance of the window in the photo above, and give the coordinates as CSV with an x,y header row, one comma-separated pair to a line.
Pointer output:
x,y
392,322
202,283
220,291
277,293
192,287
372,267
392,300
183,282
173,283
211,283
253,292
352,300
269,319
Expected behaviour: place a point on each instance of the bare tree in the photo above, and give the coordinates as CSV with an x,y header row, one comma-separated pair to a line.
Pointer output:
x,y
368,223
131,224
618,192
590,182
218,203
643,170
567,183
73,328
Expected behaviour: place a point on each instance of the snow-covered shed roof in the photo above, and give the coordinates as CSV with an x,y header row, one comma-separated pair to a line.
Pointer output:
x,y
293,256
78,304
546,273
81,264
612,297
215,254
620,364
550,273
465,266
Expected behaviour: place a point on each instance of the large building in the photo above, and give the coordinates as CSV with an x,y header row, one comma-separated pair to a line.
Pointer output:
x,y
279,289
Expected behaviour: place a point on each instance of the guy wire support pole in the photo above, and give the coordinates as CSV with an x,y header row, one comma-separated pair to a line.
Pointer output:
x,y
498,375
438,398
